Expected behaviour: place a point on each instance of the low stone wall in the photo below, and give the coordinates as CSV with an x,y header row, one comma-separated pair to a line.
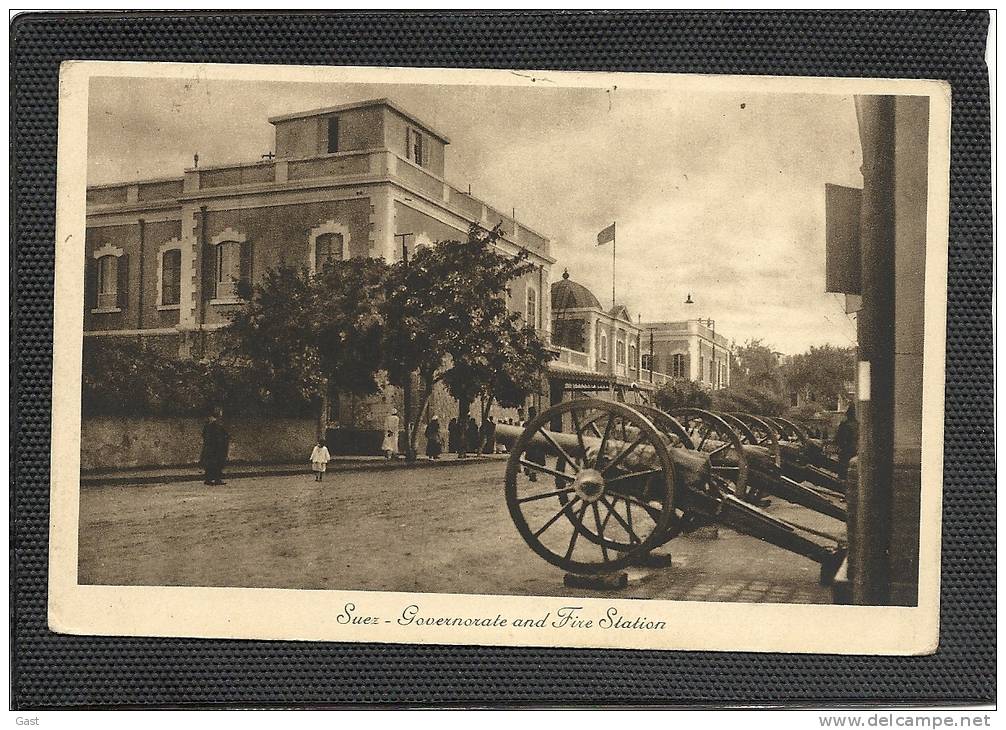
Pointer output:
x,y
109,442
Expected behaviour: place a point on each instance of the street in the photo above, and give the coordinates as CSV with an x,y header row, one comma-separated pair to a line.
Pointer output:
x,y
443,529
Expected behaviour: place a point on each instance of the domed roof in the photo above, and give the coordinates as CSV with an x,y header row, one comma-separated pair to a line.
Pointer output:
x,y
567,294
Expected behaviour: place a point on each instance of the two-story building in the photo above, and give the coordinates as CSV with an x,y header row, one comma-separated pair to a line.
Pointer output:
x,y
598,349
167,257
690,349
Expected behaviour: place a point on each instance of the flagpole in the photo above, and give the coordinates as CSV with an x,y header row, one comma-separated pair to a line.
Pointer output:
x,y
613,263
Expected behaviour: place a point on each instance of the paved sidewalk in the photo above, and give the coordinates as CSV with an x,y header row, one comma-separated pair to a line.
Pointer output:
x,y
190,473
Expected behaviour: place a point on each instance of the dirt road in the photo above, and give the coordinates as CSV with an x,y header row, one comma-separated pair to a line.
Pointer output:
x,y
436,530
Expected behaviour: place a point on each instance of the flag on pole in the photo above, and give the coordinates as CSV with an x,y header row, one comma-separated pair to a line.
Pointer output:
x,y
608,234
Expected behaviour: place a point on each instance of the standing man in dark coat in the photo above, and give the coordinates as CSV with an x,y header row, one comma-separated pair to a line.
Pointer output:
x,y
847,441
452,437
216,443
488,435
473,436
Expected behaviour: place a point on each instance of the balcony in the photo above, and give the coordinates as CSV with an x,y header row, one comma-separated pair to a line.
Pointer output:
x,y
572,358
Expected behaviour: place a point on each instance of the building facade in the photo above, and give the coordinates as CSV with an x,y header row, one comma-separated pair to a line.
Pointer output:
x,y
598,349
169,259
690,349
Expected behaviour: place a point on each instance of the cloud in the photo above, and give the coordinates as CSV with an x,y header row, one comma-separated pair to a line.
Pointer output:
x,y
720,195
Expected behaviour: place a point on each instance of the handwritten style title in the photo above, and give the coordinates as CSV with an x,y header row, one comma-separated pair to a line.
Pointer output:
x,y
566,617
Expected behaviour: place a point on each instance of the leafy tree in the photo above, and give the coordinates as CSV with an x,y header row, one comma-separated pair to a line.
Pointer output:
x,y
312,332
681,393
747,398
757,366
821,372
447,320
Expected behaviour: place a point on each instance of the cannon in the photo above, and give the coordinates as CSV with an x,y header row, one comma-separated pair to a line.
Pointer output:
x,y
593,486
762,472
803,459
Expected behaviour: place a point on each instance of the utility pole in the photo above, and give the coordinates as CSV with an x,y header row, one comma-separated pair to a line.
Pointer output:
x,y
651,355
410,454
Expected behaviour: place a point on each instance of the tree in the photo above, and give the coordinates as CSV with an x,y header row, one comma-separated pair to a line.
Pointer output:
x,y
447,320
313,332
747,398
821,372
681,393
756,365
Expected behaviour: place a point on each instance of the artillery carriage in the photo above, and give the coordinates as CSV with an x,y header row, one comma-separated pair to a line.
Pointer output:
x,y
594,486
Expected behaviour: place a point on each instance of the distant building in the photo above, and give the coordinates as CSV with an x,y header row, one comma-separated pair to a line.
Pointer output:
x,y
599,349
689,349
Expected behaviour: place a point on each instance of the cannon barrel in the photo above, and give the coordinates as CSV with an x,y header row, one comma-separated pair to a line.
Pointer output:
x,y
691,467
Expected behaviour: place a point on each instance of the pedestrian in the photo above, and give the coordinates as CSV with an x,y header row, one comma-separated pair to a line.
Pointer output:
x,y
216,444
319,459
452,436
488,433
390,445
434,441
847,441
473,435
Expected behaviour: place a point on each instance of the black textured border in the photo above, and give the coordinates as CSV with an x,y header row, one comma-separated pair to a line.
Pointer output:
x,y
50,670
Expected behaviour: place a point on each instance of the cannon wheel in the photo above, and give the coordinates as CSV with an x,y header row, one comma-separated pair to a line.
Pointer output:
x,y
744,432
791,431
668,424
765,434
619,508
713,435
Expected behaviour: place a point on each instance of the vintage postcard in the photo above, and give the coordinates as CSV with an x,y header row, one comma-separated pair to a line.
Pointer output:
x,y
499,357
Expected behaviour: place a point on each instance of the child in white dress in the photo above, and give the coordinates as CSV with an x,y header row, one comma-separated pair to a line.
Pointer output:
x,y
319,460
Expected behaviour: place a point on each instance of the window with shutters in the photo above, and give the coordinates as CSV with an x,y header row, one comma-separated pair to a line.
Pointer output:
x,y
678,369
327,247
171,277
108,282
417,150
532,307
228,269
328,241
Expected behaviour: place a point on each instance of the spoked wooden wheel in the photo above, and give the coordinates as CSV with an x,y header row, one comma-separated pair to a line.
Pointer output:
x,y
743,431
588,499
671,427
714,436
765,434
790,431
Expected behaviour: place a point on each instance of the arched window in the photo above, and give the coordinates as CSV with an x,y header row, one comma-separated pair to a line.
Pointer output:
x,y
108,282
328,247
603,348
619,352
678,369
532,307
228,271
632,357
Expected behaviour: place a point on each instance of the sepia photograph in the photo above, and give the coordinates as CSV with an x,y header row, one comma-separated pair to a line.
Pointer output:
x,y
521,357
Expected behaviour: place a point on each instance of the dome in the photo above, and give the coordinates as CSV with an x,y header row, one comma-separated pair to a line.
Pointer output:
x,y
567,294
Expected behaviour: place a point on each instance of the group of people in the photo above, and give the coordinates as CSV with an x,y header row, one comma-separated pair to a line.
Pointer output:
x,y
463,438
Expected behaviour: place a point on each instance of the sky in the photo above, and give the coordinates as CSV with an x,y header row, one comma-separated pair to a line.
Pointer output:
x,y
718,195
